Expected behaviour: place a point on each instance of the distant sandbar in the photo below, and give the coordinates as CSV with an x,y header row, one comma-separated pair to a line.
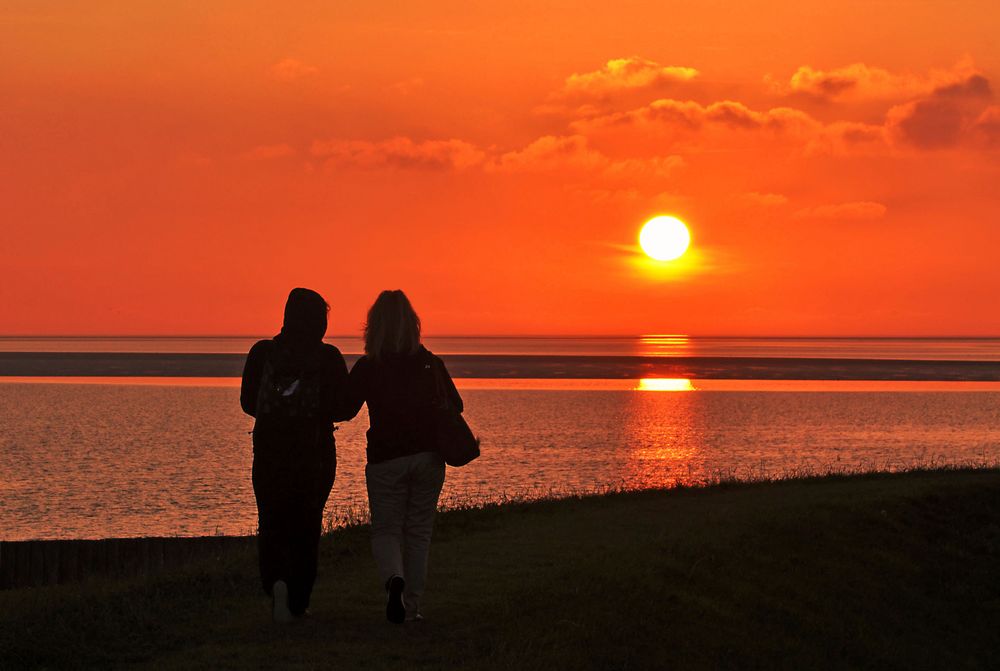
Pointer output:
x,y
132,364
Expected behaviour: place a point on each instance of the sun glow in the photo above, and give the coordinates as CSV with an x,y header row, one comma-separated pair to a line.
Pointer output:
x,y
665,384
664,238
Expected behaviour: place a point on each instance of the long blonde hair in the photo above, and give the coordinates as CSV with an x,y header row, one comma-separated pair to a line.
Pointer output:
x,y
392,327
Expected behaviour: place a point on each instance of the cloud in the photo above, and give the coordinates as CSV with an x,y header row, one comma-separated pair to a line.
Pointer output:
x,y
628,81
951,114
643,169
573,153
552,152
856,133
834,83
853,81
941,119
764,199
667,113
624,74
267,152
856,211
842,138
290,69
987,126
951,110
862,81
647,139
400,152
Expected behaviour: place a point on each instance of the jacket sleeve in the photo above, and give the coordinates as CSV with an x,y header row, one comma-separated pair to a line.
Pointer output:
x,y
355,391
338,381
450,389
252,371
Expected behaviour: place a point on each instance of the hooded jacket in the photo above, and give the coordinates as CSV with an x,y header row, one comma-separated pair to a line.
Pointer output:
x,y
301,336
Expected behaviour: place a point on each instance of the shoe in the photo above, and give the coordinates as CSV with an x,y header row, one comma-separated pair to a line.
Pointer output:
x,y
395,611
412,604
279,605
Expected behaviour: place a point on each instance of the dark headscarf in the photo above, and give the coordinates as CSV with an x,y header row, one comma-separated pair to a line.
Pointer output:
x,y
305,318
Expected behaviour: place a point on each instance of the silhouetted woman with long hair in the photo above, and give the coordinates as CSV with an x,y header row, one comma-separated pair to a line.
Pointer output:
x,y
399,379
293,384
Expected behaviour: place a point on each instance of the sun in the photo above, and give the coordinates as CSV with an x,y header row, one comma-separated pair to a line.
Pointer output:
x,y
664,238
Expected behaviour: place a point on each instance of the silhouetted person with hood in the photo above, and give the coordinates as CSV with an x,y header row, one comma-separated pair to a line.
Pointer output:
x,y
292,385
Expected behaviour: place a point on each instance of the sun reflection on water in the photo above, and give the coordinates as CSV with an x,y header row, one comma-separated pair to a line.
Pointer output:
x,y
665,434
674,344
665,384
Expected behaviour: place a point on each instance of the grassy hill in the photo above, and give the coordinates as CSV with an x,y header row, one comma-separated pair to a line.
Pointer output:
x,y
874,571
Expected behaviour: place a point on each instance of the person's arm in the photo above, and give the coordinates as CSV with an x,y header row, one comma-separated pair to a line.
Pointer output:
x,y
252,371
355,391
449,385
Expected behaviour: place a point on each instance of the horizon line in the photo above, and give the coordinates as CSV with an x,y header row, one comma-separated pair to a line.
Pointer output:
x,y
514,336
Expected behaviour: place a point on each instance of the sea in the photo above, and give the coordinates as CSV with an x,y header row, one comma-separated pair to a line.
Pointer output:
x,y
121,437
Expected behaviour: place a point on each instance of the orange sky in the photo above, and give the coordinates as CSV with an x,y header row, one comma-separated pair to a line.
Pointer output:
x,y
177,170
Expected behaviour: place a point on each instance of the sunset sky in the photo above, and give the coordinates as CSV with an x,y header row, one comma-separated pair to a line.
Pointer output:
x,y
176,167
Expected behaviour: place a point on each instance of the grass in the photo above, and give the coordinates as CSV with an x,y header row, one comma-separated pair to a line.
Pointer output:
x,y
880,571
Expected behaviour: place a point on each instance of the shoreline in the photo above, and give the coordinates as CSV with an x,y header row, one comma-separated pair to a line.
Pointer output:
x,y
58,561
498,366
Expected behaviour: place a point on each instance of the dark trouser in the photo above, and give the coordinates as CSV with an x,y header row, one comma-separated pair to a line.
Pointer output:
x,y
293,473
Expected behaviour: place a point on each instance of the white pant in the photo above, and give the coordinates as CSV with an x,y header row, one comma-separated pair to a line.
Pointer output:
x,y
403,495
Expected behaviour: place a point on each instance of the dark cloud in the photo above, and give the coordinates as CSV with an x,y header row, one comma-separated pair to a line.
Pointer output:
x,y
987,126
943,118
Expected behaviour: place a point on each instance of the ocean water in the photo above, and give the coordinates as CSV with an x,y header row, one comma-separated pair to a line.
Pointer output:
x,y
161,456
929,349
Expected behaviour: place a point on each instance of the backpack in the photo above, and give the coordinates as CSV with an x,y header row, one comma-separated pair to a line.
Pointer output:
x,y
291,386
